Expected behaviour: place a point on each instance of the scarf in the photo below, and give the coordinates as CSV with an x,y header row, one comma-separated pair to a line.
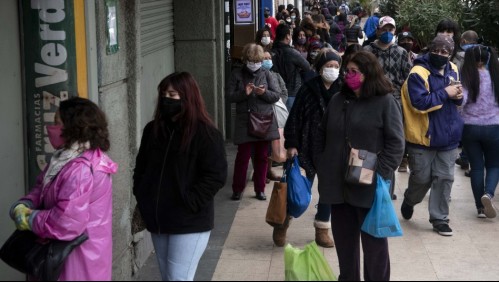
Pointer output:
x,y
61,158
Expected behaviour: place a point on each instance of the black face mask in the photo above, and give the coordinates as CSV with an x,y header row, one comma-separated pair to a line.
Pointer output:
x,y
438,61
406,45
169,108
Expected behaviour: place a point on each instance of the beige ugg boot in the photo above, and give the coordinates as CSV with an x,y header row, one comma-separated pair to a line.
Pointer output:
x,y
279,234
322,234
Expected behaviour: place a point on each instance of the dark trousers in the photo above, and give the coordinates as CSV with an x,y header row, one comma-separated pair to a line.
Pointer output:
x,y
347,235
323,210
242,162
481,144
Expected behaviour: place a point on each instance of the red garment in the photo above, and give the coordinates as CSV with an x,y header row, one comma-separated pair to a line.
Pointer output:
x,y
272,23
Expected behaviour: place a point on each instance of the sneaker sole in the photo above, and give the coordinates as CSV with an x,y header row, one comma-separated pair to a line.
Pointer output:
x,y
489,210
447,234
481,216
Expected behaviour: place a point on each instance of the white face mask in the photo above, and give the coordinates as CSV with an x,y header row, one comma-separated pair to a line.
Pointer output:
x,y
254,66
265,41
330,74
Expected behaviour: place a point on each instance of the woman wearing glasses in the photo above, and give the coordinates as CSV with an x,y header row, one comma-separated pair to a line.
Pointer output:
x,y
361,116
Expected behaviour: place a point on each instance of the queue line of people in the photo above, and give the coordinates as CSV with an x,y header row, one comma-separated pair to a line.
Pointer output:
x,y
182,164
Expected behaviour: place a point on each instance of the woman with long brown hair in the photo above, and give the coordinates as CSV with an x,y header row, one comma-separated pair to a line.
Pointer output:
x,y
180,167
363,116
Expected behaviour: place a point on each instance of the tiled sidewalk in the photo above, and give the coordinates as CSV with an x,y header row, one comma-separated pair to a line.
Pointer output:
x,y
421,254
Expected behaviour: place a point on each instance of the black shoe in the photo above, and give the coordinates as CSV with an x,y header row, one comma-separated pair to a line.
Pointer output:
x,y
261,196
443,229
406,210
236,196
464,165
394,197
276,164
467,173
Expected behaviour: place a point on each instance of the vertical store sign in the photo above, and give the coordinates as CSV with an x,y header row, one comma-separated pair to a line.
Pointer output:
x,y
50,71
244,11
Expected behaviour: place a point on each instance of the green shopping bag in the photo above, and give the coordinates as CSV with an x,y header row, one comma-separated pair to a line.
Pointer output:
x,y
306,265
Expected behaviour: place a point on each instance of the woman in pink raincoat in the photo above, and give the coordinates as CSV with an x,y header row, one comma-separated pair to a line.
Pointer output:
x,y
73,195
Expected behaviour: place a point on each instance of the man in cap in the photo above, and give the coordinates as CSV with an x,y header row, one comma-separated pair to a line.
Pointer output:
x,y
270,21
433,127
394,59
406,41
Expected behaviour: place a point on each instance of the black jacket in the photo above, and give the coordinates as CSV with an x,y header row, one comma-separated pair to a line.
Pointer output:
x,y
181,201
289,63
304,118
373,124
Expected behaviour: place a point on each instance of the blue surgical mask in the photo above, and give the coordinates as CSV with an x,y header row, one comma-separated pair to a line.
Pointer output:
x,y
267,64
386,37
468,46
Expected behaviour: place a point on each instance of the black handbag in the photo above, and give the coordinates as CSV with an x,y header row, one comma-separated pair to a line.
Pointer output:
x,y
40,258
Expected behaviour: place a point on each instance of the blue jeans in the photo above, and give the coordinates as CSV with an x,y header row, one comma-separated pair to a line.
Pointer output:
x,y
178,255
481,143
290,102
323,210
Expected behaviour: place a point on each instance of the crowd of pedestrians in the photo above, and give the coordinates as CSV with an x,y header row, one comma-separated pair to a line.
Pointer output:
x,y
325,85
369,88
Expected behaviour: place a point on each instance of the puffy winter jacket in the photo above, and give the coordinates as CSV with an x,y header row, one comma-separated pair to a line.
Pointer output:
x,y
431,118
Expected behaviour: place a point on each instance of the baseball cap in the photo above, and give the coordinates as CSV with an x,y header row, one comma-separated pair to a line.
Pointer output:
x,y
405,34
386,20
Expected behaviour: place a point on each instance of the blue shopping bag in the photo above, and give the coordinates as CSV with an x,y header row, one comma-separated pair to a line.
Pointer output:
x,y
382,221
299,189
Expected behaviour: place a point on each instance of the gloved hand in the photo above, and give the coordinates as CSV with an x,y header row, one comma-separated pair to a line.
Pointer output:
x,y
21,216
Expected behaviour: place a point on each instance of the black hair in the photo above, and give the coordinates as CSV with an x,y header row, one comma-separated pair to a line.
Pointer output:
x,y
84,122
281,32
448,25
259,34
470,76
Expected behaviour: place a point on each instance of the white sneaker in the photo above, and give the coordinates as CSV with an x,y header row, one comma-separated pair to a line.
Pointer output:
x,y
481,214
489,209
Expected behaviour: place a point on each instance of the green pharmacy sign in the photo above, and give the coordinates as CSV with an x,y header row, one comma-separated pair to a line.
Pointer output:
x,y
50,71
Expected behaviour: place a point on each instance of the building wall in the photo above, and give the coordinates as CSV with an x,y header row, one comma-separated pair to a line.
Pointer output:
x,y
199,49
116,91
12,184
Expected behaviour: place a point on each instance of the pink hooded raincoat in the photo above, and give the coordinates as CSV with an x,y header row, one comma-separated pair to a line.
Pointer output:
x,y
77,200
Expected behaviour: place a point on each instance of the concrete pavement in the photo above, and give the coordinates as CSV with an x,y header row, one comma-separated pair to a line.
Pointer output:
x,y
242,248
